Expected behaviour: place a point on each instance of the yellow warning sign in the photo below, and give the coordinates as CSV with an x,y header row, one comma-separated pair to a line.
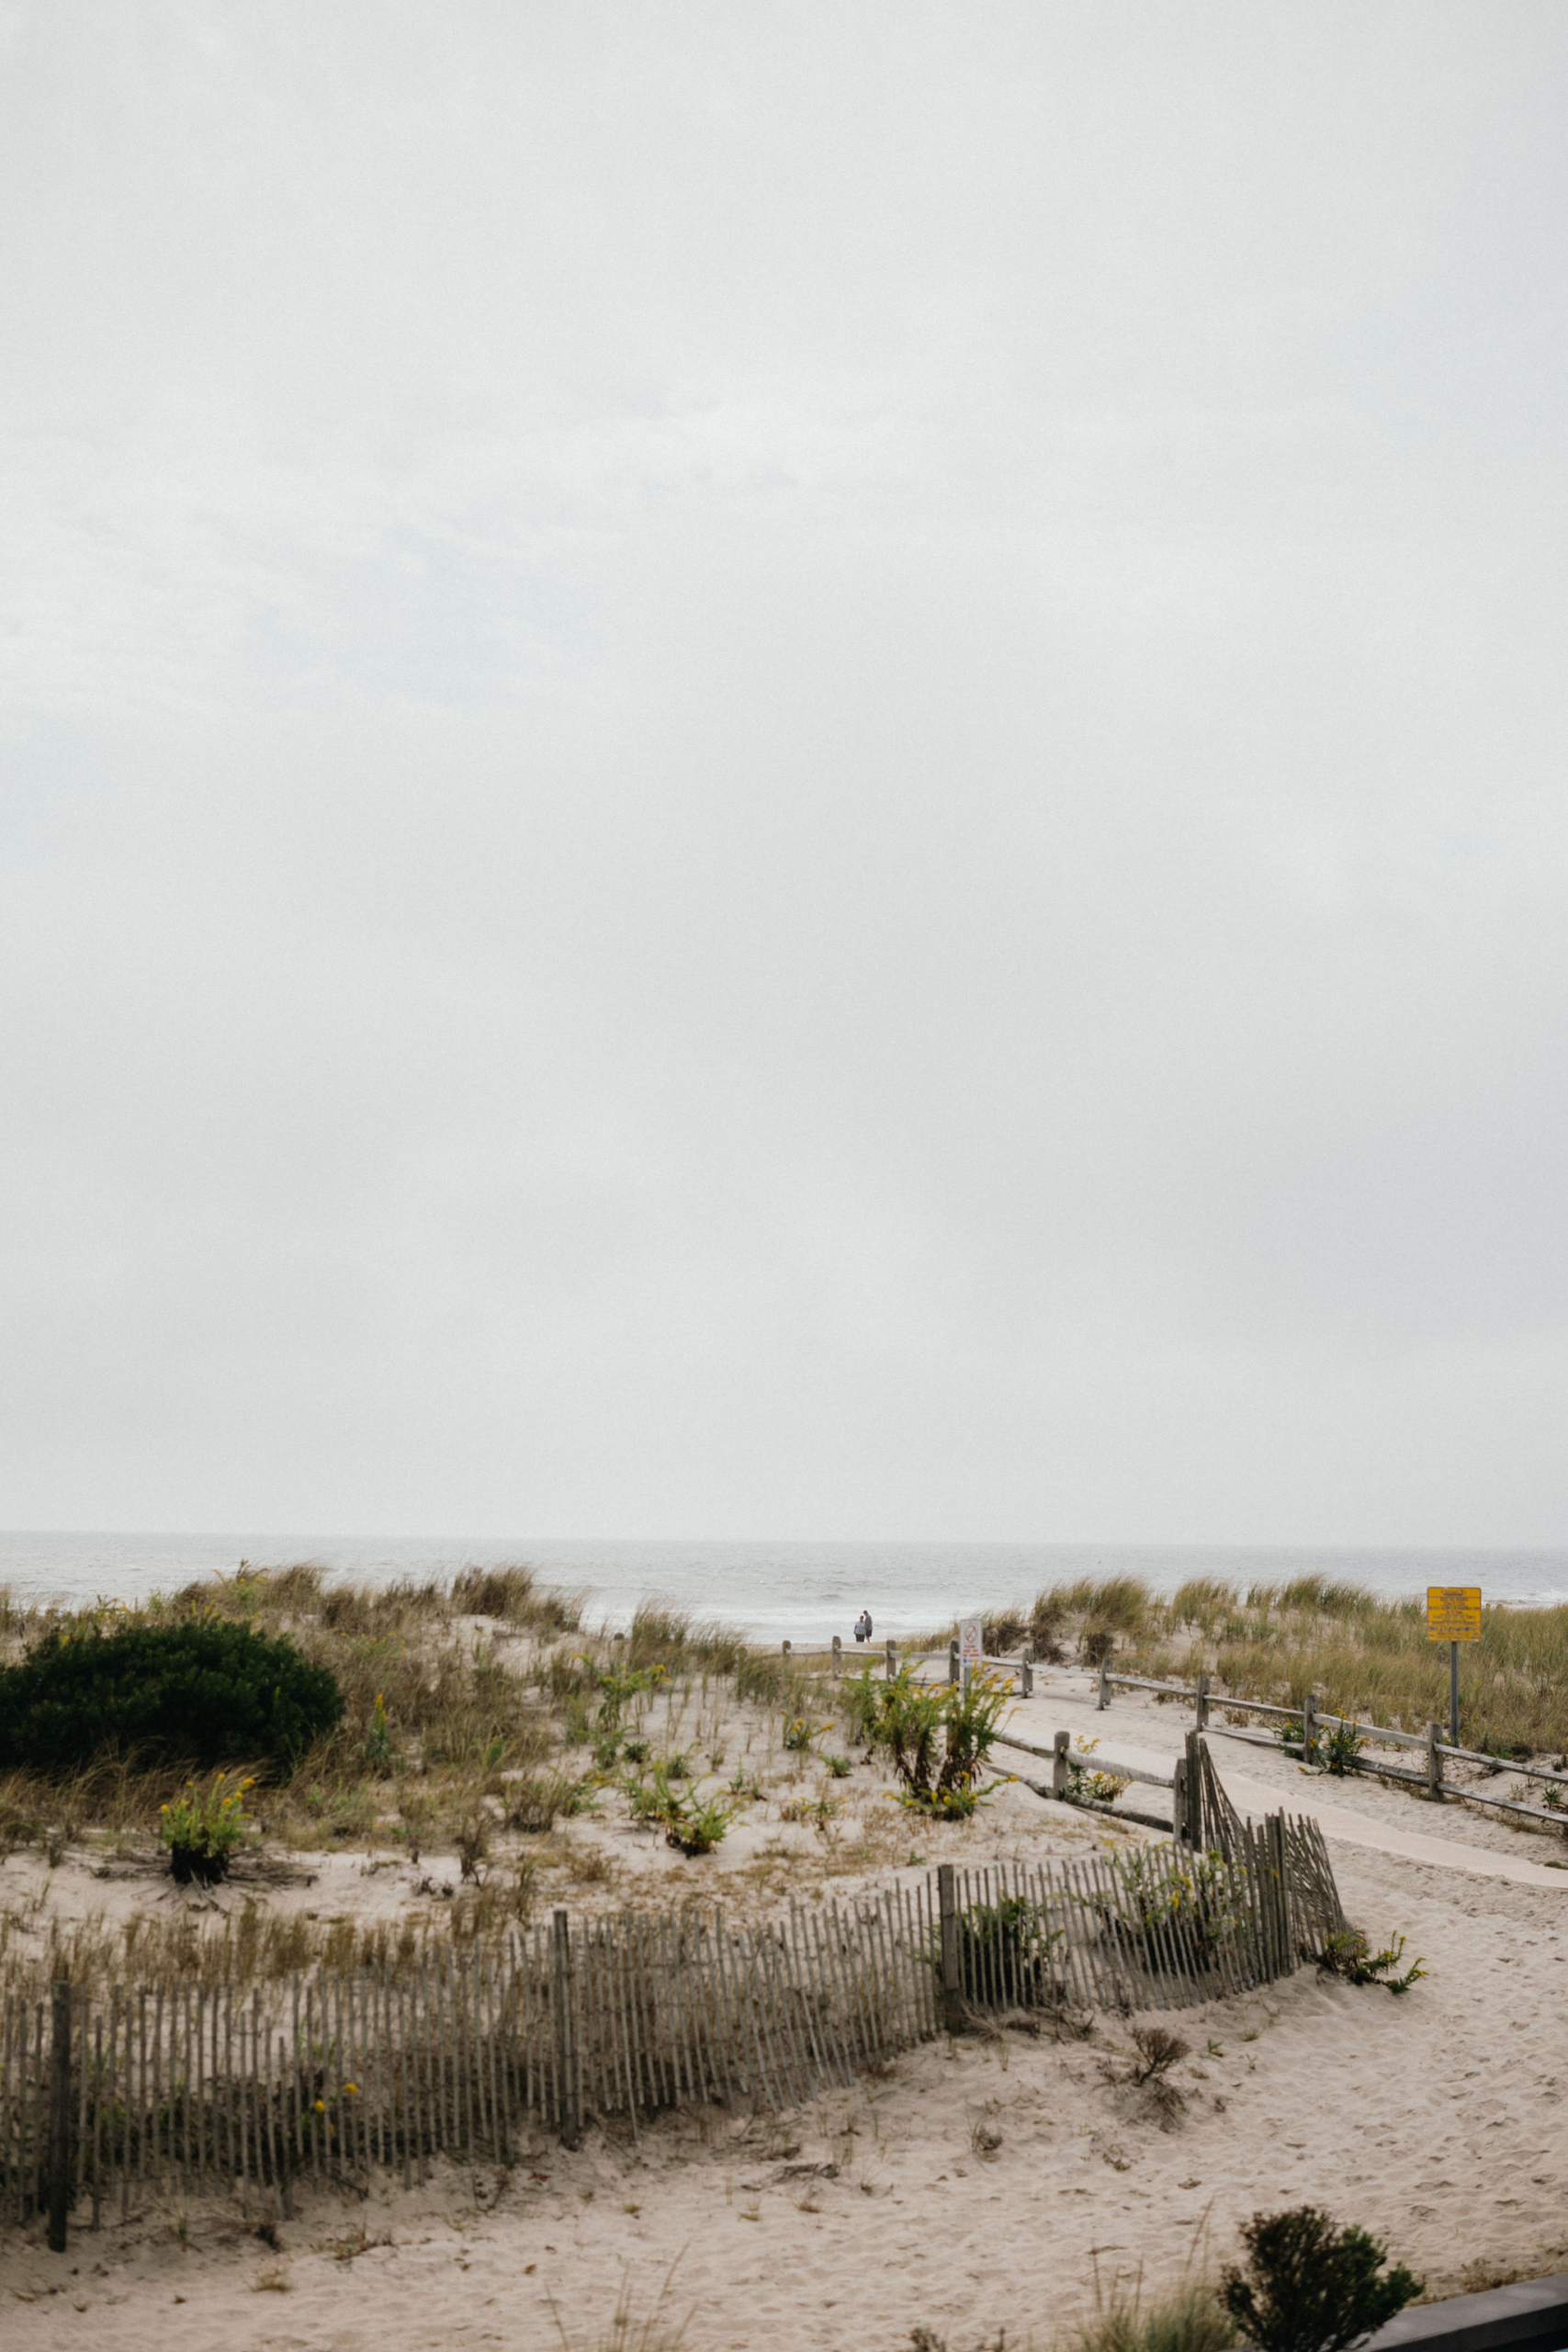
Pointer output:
x,y
1453,1612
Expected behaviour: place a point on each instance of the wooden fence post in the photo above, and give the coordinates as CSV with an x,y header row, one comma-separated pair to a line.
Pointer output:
x,y
1104,1700
60,2119
892,1661
565,1990
786,1653
947,1905
1194,1761
1179,1801
1281,1893
1026,1677
1309,1728
953,1661
1059,1766
1202,1702
1434,1763
838,1655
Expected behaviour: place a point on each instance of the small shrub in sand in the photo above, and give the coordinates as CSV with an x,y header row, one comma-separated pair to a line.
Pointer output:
x,y
1309,2286
815,1810
1349,1954
1004,1946
924,2339
692,1824
1154,2053
202,1830
938,1736
1158,2051
1338,1747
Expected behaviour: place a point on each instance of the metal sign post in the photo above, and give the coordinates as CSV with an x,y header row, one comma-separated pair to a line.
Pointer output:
x,y
1453,1615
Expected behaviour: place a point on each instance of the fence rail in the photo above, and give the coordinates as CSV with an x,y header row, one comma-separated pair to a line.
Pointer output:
x,y
1312,1720
105,2099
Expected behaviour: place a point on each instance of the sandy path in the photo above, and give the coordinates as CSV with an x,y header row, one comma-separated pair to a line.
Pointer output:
x,y
1435,2120
1360,1812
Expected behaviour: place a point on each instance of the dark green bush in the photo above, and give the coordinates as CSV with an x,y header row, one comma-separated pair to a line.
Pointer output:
x,y
203,1693
1310,2286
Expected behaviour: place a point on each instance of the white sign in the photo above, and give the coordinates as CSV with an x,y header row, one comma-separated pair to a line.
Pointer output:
x,y
971,1641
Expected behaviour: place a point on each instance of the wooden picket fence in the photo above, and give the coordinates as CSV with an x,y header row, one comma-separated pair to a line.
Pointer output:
x,y
177,2090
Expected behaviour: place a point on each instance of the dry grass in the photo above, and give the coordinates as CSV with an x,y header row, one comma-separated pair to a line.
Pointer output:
x,y
1361,1655
469,1715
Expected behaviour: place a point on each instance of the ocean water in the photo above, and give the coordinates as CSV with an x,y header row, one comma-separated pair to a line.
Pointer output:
x,y
806,1591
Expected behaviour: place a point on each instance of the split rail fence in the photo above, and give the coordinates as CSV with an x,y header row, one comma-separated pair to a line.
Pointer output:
x,y
1432,1745
1314,1721
107,2100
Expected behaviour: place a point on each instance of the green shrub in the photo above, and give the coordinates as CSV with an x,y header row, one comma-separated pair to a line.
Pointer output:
x,y
1349,1954
202,1693
1338,1747
692,1824
1309,2286
201,1830
1004,1950
938,1736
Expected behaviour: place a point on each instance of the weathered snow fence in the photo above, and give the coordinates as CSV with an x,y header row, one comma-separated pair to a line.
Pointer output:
x,y
194,2087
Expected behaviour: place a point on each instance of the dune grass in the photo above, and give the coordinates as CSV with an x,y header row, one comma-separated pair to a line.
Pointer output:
x,y
479,1718
1360,1655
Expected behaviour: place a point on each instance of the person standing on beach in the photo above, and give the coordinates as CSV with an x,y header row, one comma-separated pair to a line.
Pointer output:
x,y
863,1626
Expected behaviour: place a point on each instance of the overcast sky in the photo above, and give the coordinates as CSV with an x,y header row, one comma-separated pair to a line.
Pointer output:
x,y
784,770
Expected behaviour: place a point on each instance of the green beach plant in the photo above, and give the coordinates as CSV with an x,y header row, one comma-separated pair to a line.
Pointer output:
x,y
937,1738
1309,2286
1349,1954
1338,1747
692,1824
203,1829
200,1691
378,1737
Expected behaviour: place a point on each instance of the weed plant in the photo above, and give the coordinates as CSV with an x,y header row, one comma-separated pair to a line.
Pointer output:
x,y
1349,1954
1201,1907
203,1828
1338,1747
692,1824
938,1736
1004,1945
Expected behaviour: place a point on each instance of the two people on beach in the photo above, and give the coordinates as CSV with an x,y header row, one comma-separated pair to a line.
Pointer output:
x,y
863,1626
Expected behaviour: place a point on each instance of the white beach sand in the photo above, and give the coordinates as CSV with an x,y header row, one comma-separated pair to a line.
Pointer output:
x,y
1435,2120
